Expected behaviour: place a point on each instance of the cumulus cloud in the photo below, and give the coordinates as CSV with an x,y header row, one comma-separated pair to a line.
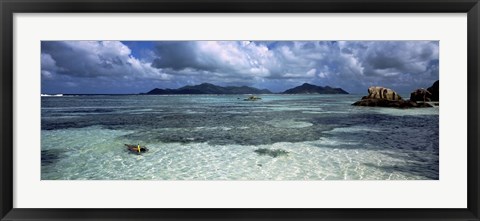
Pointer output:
x,y
224,58
276,65
349,64
92,59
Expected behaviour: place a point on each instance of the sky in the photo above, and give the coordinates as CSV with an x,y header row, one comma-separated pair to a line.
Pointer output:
x,y
129,67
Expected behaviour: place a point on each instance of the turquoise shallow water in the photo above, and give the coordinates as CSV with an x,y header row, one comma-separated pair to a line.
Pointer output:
x,y
214,137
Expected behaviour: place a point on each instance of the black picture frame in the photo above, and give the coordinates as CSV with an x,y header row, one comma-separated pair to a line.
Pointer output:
x,y
9,7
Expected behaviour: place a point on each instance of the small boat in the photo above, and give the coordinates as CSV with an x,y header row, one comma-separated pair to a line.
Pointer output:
x,y
252,98
134,149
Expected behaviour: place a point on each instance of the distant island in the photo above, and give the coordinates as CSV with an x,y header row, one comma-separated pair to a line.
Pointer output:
x,y
314,89
207,88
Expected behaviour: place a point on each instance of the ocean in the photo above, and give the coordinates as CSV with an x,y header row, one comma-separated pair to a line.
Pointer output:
x,y
223,137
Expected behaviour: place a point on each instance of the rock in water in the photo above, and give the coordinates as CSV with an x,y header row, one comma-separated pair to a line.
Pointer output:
x,y
271,152
434,89
385,97
421,95
375,102
383,93
134,149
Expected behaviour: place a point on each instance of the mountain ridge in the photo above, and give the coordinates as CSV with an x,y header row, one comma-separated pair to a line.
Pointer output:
x,y
306,88
207,88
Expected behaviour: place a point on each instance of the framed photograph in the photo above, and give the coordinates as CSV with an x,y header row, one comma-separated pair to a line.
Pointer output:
x,y
199,110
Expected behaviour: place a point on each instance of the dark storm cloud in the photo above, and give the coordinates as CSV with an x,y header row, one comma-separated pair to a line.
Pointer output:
x,y
178,56
233,59
91,59
94,67
399,57
352,65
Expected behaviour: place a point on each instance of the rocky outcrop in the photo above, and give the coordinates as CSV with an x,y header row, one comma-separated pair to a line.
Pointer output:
x,y
375,102
421,95
383,93
429,94
385,97
434,90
